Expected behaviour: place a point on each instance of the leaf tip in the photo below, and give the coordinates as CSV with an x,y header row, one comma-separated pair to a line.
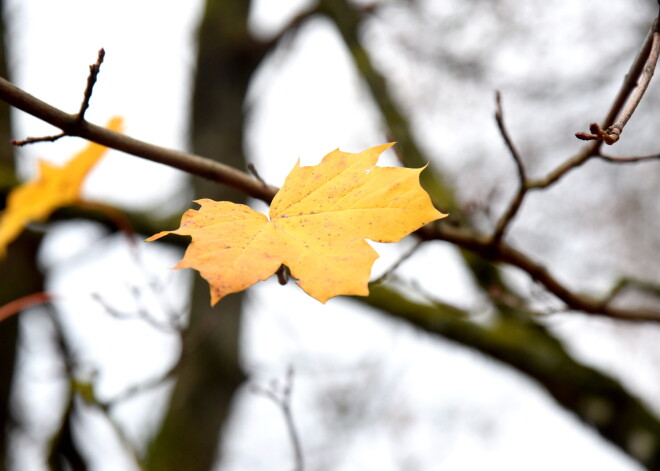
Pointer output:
x,y
157,236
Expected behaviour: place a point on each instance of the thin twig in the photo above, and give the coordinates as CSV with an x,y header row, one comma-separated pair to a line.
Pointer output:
x,y
94,70
292,27
281,396
627,160
87,392
20,304
590,151
140,313
612,132
34,140
398,263
253,170
117,217
632,284
142,387
504,253
593,149
572,163
515,204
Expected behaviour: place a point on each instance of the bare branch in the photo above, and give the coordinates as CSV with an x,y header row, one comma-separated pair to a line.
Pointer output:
x,y
291,27
632,284
94,70
17,305
132,391
281,396
409,253
574,162
34,140
648,56
593,149
253,170
627,160
513,208
504,253
139,313
193,164
590,151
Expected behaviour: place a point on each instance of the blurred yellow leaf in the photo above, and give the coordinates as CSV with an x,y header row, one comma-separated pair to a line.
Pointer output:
x,y
52,188
318,224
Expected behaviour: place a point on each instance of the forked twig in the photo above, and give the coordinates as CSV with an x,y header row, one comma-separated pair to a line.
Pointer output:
x,y
597,135
94,70
612,132
514,207
190,163
639,286
538,272
281,396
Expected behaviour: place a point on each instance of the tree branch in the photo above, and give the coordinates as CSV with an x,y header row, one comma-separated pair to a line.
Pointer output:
x,y
627,160
570,164
190,163
593,149
20,304
280,394
648,56
513,208
94,70
631,284
504,253
291,27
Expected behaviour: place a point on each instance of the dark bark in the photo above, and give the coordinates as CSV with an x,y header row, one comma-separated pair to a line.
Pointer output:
x,y
19,276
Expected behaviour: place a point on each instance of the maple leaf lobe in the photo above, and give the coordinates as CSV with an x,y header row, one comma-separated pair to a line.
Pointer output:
x,y
53,187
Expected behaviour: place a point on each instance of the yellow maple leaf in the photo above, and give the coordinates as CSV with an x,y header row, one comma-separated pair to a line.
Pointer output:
x,y
53,187
318,224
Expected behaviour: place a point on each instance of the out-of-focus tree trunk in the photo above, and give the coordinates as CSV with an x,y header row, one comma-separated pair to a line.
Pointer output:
x,y
210,372
19,275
